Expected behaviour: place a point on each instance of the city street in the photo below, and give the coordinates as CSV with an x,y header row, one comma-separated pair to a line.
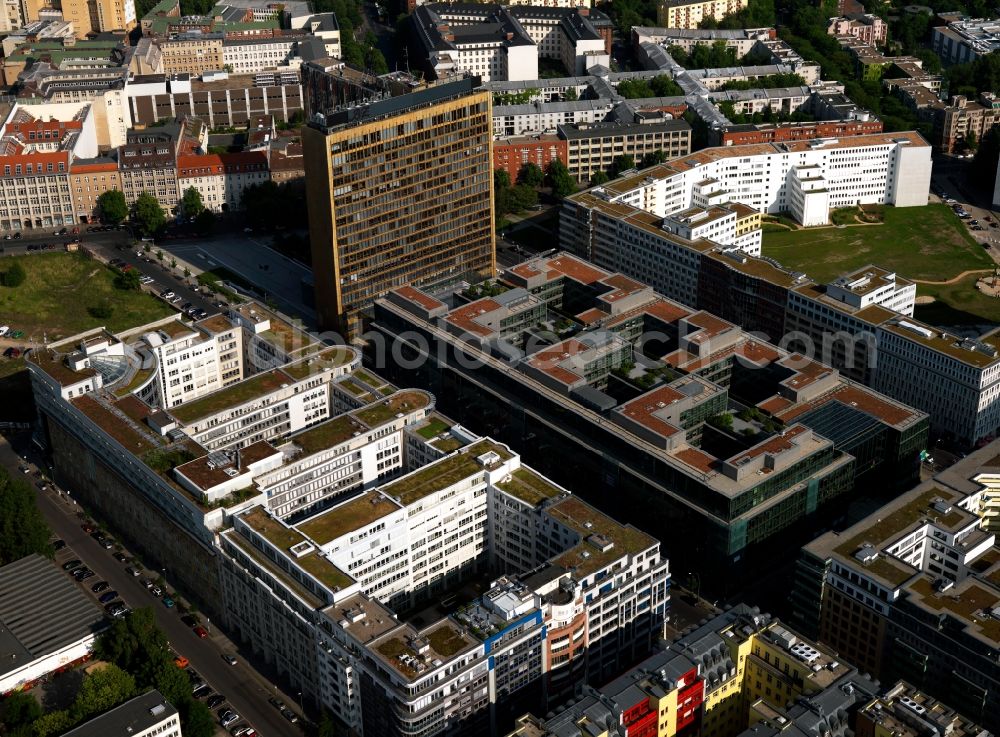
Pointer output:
x,y
245,690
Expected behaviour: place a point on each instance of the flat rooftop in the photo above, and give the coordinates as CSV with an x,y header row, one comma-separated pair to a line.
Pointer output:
x,y
603,539
231,397
41,612
329,359
439,642
443,473
351,515
530,487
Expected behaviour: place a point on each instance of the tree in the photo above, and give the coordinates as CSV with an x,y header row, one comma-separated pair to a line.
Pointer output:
x,y
135,644
598,177
501,179
147,214
196,718
23,531
620,164
531,174
113,207
191,204
559,179
522,197
128,281
13,276
654,158
205,222
571,95
663,86
102,690
971,142
20,709
53,723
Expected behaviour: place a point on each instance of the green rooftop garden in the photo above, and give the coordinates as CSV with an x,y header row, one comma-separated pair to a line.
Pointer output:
x,y
890,524
585,558
529,487
447,445
140,378
324,571
328,434
370,380
434,427
446,641
347,517
433,477
391,649
275,570
272,530
231,396
332,358
384,410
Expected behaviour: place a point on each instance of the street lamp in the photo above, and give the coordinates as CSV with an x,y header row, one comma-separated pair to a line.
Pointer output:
x,y
302,709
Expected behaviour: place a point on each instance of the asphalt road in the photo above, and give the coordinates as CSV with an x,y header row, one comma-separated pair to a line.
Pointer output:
x,y
245,689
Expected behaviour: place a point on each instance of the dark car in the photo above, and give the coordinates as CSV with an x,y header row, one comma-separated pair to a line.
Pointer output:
x,y
70,565
82,574
189,620
202,691
120,557
58,544
100,586
107,543
214,701
108,596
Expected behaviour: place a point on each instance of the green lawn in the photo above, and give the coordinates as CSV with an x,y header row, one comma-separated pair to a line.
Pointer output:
x,y
928,243
958,304
60,289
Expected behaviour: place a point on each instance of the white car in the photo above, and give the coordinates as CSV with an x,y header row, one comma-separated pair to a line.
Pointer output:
x,y
230,718
4,329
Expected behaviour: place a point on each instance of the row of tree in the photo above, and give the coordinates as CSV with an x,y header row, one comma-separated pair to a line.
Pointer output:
x,y
23,531
511,197
715,55
138,659
659,86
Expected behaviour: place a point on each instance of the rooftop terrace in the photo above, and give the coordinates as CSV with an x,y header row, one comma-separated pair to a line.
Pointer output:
x,y
384,410
329,359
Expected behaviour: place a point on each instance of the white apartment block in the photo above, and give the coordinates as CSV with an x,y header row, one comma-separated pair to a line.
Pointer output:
x,y
723,223
330,583
256,55
890,168
872,285
206,174
514,120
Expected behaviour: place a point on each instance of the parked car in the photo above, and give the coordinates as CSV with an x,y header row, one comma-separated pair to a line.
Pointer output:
x,y
155,590
107,543
202,691
168,602
58,544
120,556
70,565
189,620
4,329
100,586
108,596
133,572
199,630
229,718
82,574
289,715
196,684
148,583
276,703
181,662
231,659
214,701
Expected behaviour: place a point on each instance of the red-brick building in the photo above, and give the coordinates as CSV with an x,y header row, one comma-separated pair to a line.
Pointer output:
x,y
510,154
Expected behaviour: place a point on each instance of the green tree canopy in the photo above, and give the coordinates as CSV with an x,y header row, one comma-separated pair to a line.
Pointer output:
x,y
196,718
14,276
147,214
23,531
128,281
522,197
113,207
191,204
19,710
652,159
531,174
598,177
101,690
205,222
620,164
559,179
